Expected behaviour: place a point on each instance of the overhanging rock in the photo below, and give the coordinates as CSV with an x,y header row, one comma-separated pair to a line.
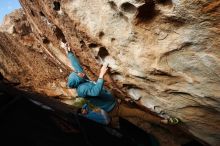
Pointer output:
x,y
162,53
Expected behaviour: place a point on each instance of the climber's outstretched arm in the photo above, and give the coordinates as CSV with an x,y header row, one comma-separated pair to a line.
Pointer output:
x,y
74,61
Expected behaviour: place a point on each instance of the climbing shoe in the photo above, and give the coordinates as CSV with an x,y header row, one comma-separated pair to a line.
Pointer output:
x,y
173,121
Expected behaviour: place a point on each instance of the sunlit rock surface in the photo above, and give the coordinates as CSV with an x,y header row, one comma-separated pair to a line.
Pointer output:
x,y
164,54
24,60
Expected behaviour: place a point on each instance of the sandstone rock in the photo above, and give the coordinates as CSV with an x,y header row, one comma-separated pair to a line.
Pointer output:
x,y
163,53
23,60
166,49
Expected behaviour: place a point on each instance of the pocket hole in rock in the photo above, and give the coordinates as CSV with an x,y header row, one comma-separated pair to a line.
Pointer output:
x,y
32,13
103,57
112,39
45,40
59,34
56,6
165,2
24,29
113,5
101,34
42,14
103,52
92,45
83,44
128,7
146,11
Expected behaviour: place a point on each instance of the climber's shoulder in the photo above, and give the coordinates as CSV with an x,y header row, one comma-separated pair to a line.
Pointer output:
x,y
83,88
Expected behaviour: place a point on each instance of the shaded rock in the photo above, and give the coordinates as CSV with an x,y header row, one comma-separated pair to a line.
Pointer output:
x,y
24,61
166,50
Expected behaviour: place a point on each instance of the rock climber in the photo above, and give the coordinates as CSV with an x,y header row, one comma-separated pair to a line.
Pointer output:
x,y
90,90
98,96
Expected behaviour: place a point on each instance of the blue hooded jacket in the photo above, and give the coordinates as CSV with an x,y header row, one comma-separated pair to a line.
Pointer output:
x,y
95,93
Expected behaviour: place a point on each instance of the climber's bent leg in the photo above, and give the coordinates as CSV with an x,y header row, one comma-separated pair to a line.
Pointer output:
x,y
125,111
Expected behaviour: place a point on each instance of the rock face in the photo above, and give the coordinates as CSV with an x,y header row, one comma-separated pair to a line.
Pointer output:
x,y
24,61
162,53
